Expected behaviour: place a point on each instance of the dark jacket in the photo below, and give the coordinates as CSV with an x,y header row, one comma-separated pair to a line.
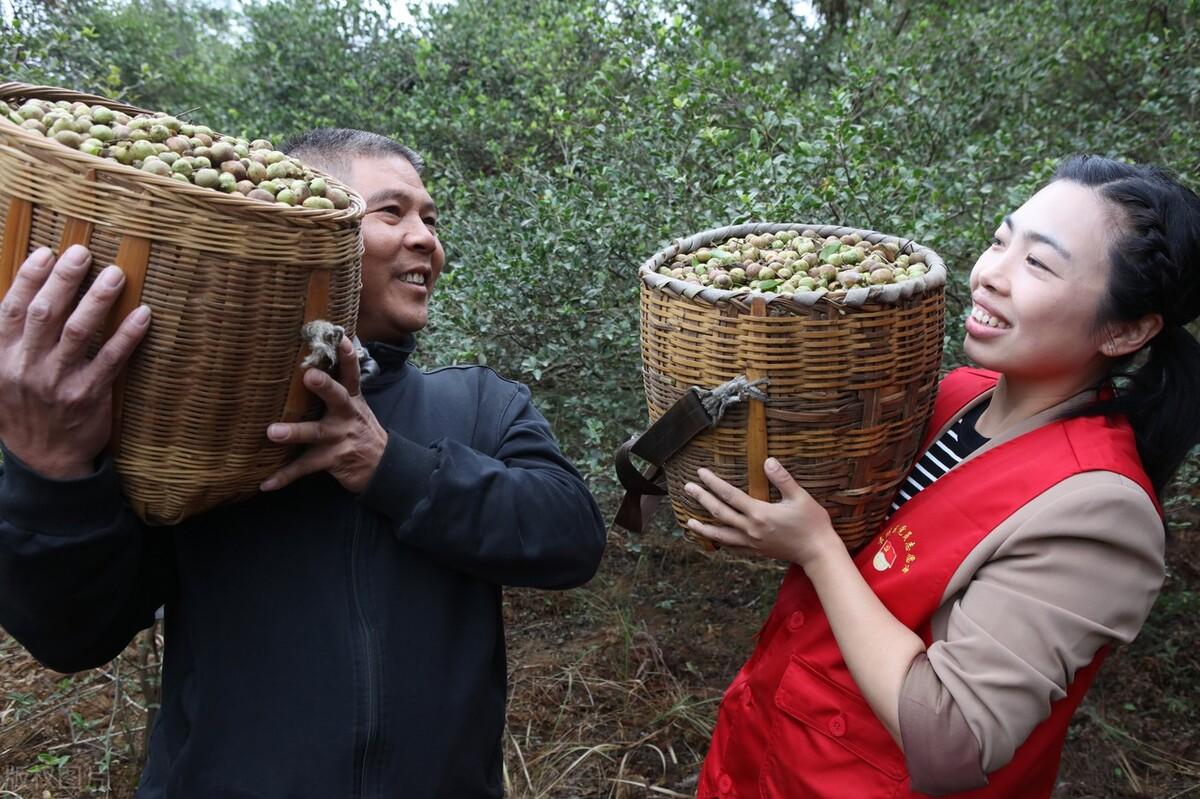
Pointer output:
x,y
319,644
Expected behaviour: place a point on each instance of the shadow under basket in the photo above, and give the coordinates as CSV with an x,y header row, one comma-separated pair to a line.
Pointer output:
x,y
851,379
230,282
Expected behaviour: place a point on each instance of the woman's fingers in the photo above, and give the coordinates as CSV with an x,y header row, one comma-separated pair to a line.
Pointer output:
x,y
730,495
727,537
721,511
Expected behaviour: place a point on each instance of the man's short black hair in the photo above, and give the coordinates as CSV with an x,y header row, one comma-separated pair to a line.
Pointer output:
x,y
330,149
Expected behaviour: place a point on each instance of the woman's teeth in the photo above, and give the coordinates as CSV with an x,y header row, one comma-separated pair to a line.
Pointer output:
x,y
984,318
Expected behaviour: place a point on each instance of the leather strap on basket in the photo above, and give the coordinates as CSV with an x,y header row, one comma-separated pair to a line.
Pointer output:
x,y
693,413
670,433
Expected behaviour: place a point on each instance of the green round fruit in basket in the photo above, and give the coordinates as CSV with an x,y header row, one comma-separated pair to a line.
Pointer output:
x,y
231,280
126,138
829,367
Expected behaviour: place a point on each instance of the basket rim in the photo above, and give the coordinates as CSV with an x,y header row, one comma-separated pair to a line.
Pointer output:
x,y
39,91
232,203
888,294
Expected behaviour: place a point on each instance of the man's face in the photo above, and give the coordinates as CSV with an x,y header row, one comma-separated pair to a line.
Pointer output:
x,y
402,256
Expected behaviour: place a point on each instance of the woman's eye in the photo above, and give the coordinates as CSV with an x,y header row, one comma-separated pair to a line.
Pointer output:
x,y
995,241
1034,262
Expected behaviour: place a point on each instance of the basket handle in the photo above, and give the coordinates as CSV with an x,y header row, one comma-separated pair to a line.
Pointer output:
x,y
756,425
316,306
17,226
133,256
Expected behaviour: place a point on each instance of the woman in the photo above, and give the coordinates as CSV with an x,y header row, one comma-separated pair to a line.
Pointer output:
x,y
948,655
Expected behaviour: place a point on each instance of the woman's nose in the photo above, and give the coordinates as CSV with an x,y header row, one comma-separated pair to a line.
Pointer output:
x,y
991,271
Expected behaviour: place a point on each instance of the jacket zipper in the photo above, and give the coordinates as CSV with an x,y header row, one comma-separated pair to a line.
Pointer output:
x,y
365,630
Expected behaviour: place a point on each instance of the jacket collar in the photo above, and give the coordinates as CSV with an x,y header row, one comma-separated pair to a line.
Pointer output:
x,y
390,358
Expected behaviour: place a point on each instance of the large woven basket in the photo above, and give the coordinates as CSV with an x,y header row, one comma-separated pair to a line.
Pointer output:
x,y
230,282
852,379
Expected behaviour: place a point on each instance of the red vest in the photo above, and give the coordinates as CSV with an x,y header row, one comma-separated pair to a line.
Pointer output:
x,y
794,725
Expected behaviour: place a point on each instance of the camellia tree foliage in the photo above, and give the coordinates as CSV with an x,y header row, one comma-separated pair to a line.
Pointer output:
x,y
568,139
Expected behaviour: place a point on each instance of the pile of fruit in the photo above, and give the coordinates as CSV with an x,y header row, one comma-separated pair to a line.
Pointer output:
x,y
793,261
163,145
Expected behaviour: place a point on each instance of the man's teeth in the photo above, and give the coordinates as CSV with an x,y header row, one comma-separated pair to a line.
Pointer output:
x,y
414,277
984,318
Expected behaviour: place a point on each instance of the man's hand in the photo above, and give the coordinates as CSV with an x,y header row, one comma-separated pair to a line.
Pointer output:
x,y
796,529
348,441
55,404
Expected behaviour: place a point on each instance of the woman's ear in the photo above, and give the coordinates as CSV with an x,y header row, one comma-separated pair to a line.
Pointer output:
x,y
1123,338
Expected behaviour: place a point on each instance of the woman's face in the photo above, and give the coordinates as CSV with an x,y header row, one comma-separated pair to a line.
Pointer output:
x,y
1037,289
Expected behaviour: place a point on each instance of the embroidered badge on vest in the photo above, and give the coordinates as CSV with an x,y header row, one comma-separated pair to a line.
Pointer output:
x,y
899,549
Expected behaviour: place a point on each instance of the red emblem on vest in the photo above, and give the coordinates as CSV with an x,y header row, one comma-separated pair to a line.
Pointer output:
x,y
794,724
894,545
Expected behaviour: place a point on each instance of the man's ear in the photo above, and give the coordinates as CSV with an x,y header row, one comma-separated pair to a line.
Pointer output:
x,y
1123,338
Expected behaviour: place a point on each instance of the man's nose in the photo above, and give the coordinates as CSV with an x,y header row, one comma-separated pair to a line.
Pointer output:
x,y
418,236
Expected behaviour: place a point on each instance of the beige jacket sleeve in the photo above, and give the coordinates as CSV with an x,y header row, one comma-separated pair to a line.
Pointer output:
x,y
1074,570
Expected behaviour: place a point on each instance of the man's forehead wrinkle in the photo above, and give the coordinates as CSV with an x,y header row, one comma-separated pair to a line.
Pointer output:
x,y
405,194
388,194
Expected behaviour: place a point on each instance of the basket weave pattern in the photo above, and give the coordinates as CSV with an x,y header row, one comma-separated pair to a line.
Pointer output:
x,y
230,282
852,380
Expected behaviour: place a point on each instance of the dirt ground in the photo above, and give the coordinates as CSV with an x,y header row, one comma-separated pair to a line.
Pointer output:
x,y
613,688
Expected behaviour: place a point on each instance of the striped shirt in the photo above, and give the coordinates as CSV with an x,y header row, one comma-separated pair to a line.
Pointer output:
x,y
959,441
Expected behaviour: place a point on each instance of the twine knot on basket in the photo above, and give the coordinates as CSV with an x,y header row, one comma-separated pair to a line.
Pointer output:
x,y
717,400
322,339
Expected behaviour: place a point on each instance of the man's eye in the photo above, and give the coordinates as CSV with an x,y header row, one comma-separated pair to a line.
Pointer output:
x,y
391,212
431,221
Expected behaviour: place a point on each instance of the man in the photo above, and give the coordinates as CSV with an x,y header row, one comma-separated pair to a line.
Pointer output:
x,y
340,635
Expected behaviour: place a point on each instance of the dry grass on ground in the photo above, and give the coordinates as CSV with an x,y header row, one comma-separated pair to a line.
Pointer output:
x,y
614,688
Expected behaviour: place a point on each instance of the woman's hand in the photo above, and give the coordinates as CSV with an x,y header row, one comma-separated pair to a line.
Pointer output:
x,y
877,648
796,529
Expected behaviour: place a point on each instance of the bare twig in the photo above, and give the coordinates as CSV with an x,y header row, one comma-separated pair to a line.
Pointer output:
x,y
653,788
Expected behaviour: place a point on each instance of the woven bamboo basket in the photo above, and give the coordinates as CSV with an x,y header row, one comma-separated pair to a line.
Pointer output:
x,y
230,282
852,379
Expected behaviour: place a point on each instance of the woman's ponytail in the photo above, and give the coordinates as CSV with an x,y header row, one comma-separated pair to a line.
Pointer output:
x,y
1155,270
1161,399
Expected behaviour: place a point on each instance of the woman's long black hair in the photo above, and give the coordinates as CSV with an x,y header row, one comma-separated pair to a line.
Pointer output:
x,y
1155,270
